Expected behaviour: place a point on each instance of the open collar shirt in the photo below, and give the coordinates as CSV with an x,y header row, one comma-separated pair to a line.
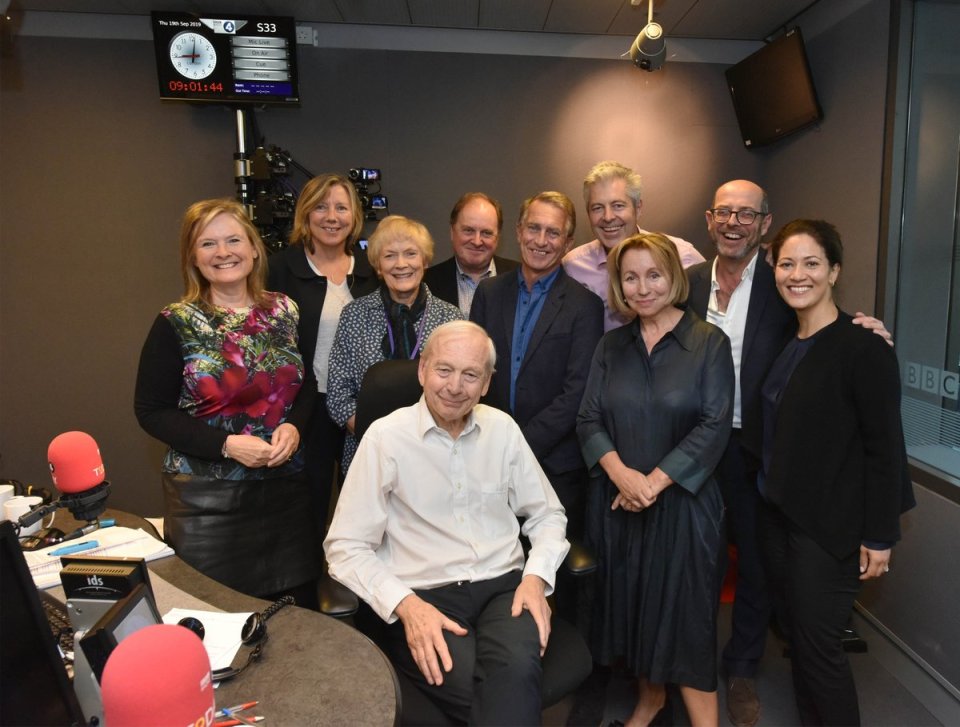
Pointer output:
x,y
733,322
529,307
467,286
420,509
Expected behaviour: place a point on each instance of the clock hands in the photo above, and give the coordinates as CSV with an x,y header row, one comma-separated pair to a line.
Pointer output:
x,y
193,55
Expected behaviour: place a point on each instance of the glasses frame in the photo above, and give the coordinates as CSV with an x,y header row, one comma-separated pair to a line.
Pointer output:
x,y
735,214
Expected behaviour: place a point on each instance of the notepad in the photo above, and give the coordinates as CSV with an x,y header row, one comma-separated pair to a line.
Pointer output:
x,y
116,542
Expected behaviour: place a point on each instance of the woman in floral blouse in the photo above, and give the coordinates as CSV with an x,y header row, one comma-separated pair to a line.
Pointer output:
x,y
218,382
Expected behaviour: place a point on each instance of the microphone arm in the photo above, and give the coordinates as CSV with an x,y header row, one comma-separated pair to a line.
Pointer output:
x,y
87,505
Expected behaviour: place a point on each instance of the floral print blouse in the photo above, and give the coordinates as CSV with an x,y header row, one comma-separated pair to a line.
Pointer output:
x,y
241,372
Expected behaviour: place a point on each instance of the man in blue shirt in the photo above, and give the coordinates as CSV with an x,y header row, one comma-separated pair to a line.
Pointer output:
x,y
545,327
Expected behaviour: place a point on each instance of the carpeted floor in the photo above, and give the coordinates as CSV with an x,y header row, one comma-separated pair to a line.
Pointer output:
x,y
884,700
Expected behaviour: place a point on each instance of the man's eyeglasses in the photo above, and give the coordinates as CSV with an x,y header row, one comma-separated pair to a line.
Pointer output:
x,y
744,217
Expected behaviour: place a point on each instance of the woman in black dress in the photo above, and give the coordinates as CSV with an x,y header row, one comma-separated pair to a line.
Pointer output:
x,y
654,422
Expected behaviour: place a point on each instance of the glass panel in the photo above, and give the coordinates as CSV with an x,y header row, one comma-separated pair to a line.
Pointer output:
x,y
928,300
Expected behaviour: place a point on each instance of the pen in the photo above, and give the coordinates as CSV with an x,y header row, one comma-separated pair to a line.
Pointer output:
x,y
87,529
234,722
79,547
228,711
234,717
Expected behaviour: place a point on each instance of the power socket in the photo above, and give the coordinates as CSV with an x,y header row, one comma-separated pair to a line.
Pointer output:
x,y
305,35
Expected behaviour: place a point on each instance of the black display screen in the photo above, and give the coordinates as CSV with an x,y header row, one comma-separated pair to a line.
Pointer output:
x,y
773,92
232,59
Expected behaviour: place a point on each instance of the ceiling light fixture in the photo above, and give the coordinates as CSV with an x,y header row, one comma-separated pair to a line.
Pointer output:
x,y
649,49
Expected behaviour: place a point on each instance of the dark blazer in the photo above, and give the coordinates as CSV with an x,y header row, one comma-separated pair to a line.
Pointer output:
x,y
839,465
770,324
290,273
553,375
441,278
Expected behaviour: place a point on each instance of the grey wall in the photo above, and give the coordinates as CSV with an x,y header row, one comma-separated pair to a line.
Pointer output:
x,y
833,171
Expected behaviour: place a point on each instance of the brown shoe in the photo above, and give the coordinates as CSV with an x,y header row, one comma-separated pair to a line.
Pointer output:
x,y
743,705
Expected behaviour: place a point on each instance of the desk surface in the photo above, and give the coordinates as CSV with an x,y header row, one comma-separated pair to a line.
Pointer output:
x,y
314,669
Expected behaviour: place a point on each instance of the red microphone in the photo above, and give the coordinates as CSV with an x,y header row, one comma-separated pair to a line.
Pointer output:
x,y
77,470
160,676
75,462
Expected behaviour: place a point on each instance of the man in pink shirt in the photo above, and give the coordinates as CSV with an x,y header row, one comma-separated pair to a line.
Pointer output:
x,y
611,192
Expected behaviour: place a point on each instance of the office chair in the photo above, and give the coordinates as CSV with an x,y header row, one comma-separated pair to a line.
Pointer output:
x,y
389,385
386,386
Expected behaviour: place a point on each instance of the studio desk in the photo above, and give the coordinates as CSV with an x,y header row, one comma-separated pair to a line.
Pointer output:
x,y
314,669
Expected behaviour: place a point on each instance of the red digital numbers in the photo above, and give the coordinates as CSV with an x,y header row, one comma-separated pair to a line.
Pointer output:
x,y
194,87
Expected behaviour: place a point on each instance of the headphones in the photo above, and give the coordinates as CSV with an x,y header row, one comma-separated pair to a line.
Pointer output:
x,y
253,633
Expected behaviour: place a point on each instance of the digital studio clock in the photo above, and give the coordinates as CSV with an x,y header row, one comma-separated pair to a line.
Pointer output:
x,y
240,59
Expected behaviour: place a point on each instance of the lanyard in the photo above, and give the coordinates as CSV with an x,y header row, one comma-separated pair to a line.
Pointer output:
x,y
420,328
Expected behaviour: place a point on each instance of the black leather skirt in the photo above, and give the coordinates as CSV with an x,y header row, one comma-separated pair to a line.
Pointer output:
x,y
255,536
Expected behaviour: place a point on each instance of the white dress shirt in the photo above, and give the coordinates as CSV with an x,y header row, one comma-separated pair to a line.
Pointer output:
x,y
733,322
422,510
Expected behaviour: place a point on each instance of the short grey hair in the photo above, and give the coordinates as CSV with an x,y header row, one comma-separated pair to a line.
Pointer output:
x,y
461,328
602,171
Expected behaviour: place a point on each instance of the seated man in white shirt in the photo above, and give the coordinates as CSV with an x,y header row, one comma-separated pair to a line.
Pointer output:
x,y
426,531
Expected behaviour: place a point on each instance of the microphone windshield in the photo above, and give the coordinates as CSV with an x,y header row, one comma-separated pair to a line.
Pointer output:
x,y
158,675
75,462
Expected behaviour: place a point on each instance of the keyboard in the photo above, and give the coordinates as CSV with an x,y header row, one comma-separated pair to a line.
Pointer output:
x,y
59,622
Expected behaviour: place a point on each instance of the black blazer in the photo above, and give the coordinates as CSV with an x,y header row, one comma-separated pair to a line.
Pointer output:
x,y
770,324
553,374
839,465
442,277
290,273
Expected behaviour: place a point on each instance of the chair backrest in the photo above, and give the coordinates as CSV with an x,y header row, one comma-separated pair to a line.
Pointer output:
x,y
386,386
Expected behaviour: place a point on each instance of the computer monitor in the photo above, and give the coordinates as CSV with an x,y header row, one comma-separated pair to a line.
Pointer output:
x,y
131,613
34,687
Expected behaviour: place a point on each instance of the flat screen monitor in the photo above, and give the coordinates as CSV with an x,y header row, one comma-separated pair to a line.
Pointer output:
x,y
131,613
34,686
773,92
235,59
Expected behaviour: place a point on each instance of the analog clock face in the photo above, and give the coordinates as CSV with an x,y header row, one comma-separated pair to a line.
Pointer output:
x,y
192,55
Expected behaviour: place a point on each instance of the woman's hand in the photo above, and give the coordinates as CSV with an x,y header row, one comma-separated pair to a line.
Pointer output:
x,y
248,450
284,444
351,423
636,489
873,563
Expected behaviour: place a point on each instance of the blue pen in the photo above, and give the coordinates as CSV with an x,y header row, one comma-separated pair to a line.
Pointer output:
x,y
79,547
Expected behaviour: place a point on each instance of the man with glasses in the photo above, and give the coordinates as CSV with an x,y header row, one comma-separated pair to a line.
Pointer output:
x,y
545,327
611,192
475,225
736,292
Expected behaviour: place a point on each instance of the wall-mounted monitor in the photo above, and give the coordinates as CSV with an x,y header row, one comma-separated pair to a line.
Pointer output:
x,y
235,59
773,92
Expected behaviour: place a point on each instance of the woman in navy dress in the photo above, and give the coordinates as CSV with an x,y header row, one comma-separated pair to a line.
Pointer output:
x,y
655,419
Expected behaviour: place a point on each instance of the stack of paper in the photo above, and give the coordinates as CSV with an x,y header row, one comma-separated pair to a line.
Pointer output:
x,y
114,542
